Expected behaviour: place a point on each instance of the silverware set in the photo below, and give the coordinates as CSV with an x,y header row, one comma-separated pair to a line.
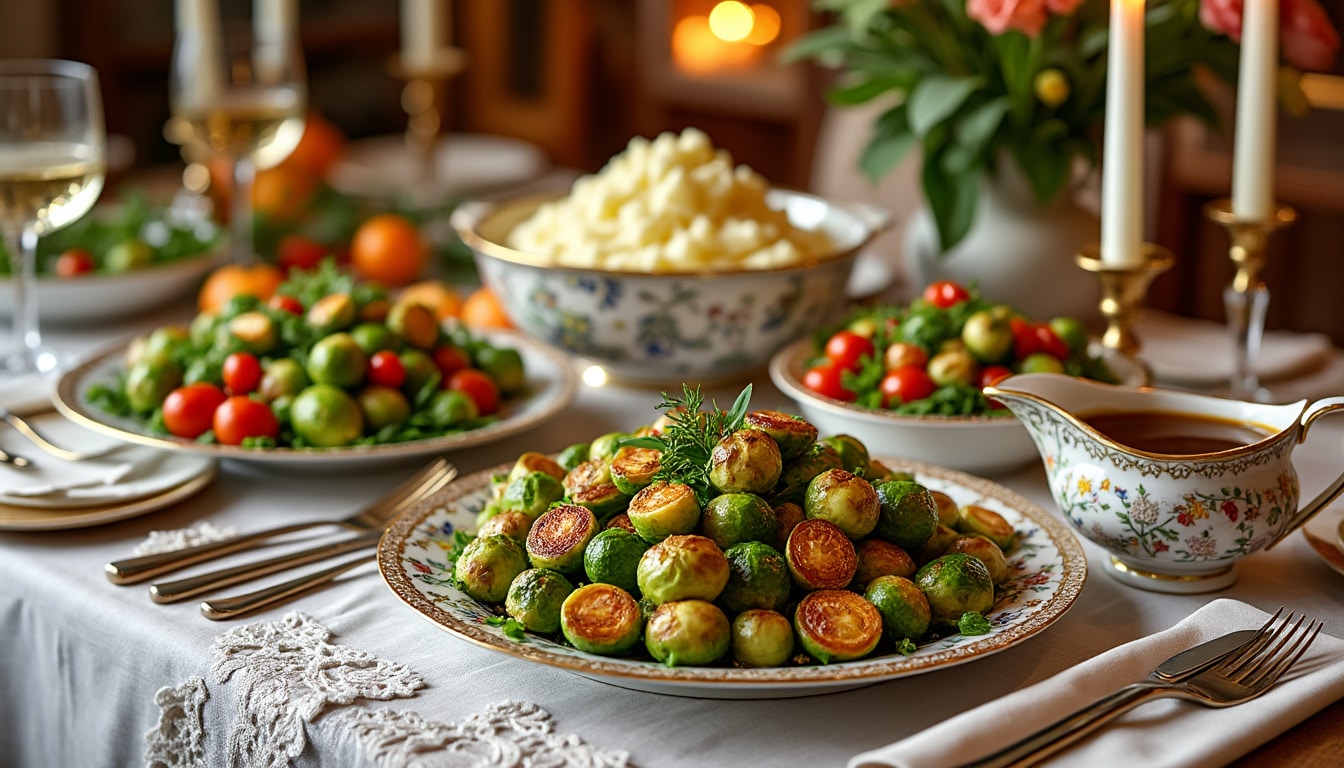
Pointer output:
x,y
22,426
368,524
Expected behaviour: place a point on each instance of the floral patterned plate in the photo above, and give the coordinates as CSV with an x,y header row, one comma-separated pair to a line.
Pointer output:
x,y
1049,569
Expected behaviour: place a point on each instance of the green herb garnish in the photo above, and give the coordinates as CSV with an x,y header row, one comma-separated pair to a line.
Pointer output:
x,y
973,623
690,437
906,647
511,628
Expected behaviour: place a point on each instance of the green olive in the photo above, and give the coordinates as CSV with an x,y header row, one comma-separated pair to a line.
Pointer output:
x,y
326,416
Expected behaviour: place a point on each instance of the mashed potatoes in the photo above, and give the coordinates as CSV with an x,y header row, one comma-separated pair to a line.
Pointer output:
x,y
674,204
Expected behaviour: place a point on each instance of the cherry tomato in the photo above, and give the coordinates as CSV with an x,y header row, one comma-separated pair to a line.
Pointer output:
x,y
1025,340
905,385
386,369
1049,341
945,293
241,372
189,411
298,252
990,375
478,386
285,303
846,349
74,262
826,380
449,360
241,417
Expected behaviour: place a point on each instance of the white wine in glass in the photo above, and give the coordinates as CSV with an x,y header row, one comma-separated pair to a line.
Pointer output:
x,y
238,91
53,152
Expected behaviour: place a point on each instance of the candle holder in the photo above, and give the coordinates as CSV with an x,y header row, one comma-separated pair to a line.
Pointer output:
x,y
1122,297
1246,298
422,98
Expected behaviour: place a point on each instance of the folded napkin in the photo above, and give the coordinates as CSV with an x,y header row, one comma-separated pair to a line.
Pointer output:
x,y
1166,732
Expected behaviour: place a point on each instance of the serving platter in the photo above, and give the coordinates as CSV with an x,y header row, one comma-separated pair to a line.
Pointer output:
x,y
551,383
1049,568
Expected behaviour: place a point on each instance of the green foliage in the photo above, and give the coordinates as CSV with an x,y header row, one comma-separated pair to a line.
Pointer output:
x,y
973,623
690,438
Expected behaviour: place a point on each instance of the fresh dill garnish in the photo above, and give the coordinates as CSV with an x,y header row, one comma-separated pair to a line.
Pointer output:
x,y
689,439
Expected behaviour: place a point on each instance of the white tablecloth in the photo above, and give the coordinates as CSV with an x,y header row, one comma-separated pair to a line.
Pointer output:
x,y
81,660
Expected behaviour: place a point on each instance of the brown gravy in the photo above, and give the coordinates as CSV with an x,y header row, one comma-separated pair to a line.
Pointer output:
x,y
1175,434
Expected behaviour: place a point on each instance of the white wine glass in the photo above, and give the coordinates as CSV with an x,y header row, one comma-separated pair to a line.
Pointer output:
x,y
53,151
239,92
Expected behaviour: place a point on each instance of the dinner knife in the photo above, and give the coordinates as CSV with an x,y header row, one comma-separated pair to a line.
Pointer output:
x,y
1192,661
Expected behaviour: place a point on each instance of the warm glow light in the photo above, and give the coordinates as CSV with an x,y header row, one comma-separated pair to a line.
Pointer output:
x,y
731,21
694,47
595,375
765,28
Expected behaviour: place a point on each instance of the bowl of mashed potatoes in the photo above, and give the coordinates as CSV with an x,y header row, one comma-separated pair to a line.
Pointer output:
x,y
671,264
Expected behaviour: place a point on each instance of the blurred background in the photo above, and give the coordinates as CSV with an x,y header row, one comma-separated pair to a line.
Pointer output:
x,y
579,78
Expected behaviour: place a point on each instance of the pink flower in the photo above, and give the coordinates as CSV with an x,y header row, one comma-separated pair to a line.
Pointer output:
x,y
999,16
1062,7
1222,16
1306,38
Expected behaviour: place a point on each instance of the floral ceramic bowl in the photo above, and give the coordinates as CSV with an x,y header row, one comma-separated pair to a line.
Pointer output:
x,y
662,328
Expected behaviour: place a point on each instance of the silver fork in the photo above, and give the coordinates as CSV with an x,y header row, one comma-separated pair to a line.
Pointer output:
x,y
222,608
1240,677
36,438
371,519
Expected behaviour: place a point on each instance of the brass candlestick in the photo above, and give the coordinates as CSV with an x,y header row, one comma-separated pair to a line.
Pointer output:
x,y
1246,298
423,100
1122,296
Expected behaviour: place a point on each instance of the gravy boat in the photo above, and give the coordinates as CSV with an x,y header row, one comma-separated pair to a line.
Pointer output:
x,y
1171,523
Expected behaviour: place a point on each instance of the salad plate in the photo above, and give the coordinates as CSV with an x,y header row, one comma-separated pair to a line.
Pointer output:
x,y
551,384
18,518
1049,569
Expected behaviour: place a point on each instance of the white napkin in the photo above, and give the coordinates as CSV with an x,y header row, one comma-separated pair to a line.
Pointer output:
x,y
48,476
1166,732
1182,350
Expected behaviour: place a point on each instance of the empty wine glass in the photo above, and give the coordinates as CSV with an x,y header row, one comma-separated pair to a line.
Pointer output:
x,y
238,91
52,161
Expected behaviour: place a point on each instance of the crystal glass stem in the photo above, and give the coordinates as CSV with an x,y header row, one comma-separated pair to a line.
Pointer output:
x,y
1246,324
240,211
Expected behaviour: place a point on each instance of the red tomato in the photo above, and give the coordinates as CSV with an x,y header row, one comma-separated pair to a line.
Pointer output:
x,y
240,417
992,374
449,360
242,373
826,380
1049,341
1025,341
189,411
846,348
299,252
74,262
285,303
477,385
945,293
386,369
904,385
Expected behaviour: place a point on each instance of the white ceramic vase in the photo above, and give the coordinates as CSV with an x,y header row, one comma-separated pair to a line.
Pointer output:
x,y
1018,251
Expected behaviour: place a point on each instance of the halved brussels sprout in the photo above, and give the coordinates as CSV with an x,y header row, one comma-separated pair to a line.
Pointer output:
x,y
621,521
941,539
507,522
605,446
606,501
612,557
488,565
904,608
853,453
976,520
908,515
602,619
633,468
532,494
947,508
535,598
682,568
793,435
586,474
881,558
573,456
837,625
845,499
758,577
559,537
746,461
986,552
664,509
762,638
820,556
731,518
798,473
533,461
877,472
955,584
789,515
686,633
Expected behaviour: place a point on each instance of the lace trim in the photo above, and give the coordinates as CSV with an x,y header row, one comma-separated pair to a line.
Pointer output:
x,y
289,675
168,541
505,735
179,739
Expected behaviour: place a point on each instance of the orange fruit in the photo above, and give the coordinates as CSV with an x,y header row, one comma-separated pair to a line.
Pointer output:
x,y
319,147
389,249
483,309
436,295
231,280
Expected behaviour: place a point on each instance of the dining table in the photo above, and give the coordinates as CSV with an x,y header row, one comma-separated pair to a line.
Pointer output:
x,y
97,674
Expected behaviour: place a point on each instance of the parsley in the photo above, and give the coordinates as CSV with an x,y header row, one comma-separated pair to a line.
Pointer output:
x,y
906,647
511,628
973,623
688,442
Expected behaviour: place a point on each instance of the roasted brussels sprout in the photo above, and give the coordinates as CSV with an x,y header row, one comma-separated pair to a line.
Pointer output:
x,y
621,521
877,472
148,382
535,598
513,524
789,515
602,619
682,568
986,552
633,468
904,608
907,516
947,508
664,509
282,377
845,499
686,633
798,473
881,558
974,520
533,461
488,565
589,485
746,461
605,446
560,536
941,539
573,456
762,638
758,577
955,584
532,494
853,453
612,557
792,434
731,518
837,625
820,556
